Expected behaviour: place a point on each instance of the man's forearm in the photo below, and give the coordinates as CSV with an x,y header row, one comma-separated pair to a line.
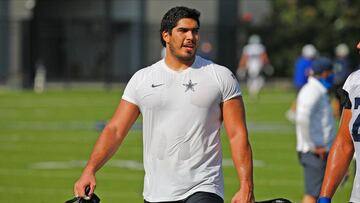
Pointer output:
x,y
105,147
337,164
242,157
112,135
245,168
339,158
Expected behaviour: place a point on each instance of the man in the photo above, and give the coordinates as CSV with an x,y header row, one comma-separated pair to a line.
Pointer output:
x,y
254,60
315,126
303,65
183,99
346,142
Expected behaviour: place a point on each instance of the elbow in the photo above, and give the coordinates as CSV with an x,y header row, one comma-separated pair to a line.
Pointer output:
x,y
240,140
112,131
238,135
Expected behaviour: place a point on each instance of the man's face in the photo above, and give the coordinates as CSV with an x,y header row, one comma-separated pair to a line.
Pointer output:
x,y
183,40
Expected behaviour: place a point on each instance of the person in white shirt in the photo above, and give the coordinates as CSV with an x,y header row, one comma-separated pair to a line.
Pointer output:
x,y
346,143
253,62
183,100
315,126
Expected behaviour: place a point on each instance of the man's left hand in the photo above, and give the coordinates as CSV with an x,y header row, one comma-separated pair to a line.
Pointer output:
x,y
320,151
244,195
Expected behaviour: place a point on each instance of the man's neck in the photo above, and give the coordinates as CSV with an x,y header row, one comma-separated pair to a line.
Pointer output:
x,y
178,65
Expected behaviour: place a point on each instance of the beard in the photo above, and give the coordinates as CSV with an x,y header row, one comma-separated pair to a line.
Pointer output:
x,y
189,56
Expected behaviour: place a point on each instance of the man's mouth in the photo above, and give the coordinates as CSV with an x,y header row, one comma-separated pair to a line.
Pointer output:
x,y
189,47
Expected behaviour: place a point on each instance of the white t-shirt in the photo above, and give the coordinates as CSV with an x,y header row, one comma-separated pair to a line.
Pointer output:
x,y
352,87
181,127
315,123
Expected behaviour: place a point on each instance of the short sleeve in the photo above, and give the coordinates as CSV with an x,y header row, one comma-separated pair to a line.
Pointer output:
x,y
229,85
130,94
346,86
345,100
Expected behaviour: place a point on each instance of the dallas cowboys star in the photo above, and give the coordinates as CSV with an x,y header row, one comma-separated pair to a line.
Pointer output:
x,y
190,86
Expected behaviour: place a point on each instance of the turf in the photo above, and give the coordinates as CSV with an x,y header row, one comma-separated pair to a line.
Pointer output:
x,y
45,139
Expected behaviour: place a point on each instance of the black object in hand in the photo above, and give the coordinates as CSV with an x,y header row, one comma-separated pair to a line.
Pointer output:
x,y
278,200
94,198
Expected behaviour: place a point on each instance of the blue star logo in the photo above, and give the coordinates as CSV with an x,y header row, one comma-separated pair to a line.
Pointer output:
x,y
190,86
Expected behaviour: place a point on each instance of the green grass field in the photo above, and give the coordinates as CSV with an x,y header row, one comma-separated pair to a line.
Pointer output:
x,y
45,139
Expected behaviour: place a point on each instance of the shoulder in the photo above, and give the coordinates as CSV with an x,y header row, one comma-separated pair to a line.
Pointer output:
x,y
147,71
254,49
302,61
352,80
312,89
354,76
208,65
299,59
304,90
223,71
221,77
215,70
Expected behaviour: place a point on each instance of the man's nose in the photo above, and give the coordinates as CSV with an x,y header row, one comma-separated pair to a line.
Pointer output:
x,y
190,35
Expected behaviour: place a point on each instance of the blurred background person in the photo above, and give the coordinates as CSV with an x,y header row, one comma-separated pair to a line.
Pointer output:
x,y
315,126
301,73
342,69
254,60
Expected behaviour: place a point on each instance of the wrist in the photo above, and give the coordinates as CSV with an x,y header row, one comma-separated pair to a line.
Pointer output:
x,y
324,200
246,182
89,169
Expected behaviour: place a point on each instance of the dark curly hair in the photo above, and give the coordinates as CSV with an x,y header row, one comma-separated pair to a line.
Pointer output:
x,y
175,14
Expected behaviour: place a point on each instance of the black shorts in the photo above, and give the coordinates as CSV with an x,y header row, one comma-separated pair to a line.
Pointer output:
x,y
198,197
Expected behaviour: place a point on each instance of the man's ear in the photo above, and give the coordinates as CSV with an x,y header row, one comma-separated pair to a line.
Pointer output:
x,y
166,36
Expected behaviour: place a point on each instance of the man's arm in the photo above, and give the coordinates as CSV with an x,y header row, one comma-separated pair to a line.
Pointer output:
x,y
242,62
107,144
234,121
339,158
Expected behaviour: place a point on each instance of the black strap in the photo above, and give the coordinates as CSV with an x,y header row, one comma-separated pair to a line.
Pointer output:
x,y
94,198
73,200
278,200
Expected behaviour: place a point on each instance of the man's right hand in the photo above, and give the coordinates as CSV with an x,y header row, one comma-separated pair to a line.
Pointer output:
x,y
320,151
86,179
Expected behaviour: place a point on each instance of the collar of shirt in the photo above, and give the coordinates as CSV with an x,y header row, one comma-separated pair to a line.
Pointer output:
x,y
316,83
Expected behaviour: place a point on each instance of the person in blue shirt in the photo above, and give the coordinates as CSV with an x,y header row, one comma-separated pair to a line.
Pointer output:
x,y
301,73
303,64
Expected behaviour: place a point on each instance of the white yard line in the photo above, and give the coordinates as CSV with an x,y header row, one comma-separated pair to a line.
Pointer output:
x,y
264,127
128,164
